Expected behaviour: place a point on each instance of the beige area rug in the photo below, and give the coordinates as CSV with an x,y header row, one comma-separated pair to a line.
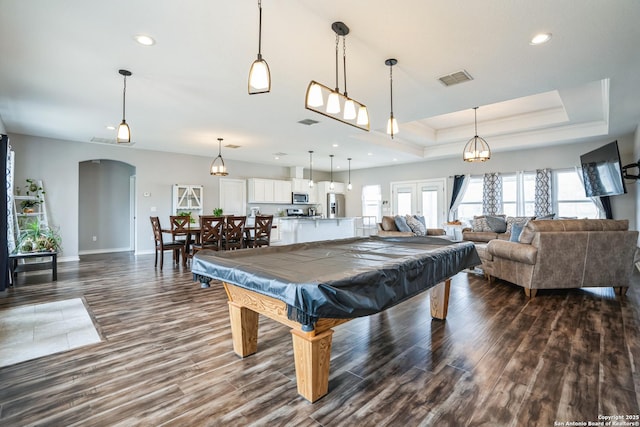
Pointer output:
x,y
36,330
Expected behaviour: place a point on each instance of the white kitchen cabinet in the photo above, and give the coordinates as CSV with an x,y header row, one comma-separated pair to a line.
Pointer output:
x,y
188,198
269,191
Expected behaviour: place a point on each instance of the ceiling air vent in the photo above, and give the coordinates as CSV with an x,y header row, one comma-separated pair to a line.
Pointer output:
x,y
308,122
103,140
455,78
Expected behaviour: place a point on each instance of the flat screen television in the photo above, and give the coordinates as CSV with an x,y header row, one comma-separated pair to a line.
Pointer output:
x,y
602,171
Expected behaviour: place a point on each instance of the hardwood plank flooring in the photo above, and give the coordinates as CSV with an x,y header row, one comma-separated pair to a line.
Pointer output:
x,y
166,358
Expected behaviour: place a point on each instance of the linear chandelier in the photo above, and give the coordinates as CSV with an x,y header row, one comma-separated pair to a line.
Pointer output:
x,y
339,106
477,149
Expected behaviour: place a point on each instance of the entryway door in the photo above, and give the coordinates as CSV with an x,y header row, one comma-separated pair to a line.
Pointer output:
x,y
425,198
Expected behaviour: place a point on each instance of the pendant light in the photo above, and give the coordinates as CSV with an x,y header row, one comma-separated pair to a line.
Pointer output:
x,y
477,149
339,106
392,123
349,186
217,166
331,184
259,75
310,169
124,133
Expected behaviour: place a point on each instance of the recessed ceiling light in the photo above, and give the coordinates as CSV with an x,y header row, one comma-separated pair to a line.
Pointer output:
x,y
540,38
369,154
337,167
335,145
110,127
395,160
144,39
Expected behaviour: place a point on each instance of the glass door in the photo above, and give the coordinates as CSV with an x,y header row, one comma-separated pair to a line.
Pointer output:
x,y
425,198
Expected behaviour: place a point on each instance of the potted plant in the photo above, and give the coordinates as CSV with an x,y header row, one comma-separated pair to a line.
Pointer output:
x,y
35,194
217,212
191,218
38,238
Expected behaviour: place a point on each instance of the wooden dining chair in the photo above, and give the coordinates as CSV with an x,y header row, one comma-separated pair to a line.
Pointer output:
x,y
234,232
211,232
180,225
262,232
166,245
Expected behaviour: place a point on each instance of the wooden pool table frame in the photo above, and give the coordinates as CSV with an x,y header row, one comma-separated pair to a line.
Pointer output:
x,y
311,350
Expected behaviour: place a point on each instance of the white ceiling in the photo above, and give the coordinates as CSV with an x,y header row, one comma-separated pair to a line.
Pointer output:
x,y
60,59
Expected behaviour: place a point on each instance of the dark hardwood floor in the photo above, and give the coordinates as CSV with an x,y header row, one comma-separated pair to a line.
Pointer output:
x,y
166,358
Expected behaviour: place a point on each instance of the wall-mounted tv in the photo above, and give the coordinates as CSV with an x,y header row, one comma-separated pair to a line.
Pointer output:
x,y
602,171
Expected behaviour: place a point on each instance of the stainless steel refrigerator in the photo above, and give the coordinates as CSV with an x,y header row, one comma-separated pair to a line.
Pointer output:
x,y
335,205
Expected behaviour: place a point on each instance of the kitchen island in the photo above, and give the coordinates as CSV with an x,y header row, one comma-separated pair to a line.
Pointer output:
x,y
313,229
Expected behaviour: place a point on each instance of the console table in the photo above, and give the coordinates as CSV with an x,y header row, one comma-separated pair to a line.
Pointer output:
x,y
15,268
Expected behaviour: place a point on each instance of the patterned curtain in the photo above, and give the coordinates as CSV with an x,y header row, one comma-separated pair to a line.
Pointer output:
x,y
492,194
543,203
6,192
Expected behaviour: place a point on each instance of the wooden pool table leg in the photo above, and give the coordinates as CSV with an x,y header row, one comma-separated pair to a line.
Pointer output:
x,y
440,300
312,354
244,329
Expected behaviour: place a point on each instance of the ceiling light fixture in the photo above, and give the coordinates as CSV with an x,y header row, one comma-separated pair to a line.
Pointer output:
x,y
217,167
144,39
331,184
354,113
392,123
540,38
477,149
259,75
310,169
349,186
124,133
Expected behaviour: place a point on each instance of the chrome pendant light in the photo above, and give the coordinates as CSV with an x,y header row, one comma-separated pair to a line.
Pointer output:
x,y
477,149
392,123
331,184
339,106
259,74
310,169
124,133
217,166
349,186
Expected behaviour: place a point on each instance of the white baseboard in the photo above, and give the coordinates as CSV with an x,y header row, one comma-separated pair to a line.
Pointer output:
x,y
103,251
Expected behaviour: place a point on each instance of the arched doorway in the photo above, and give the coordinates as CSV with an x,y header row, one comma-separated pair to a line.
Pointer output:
x,y
106,206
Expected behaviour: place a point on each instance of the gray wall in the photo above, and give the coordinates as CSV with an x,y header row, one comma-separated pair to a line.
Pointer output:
x,y
557,157
104,206
56,163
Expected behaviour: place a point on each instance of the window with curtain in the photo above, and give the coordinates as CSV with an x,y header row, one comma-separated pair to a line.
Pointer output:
x,y
471,204
569,198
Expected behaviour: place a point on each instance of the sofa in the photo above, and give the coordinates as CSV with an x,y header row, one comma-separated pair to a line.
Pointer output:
x,y
562,254
389,228
489,227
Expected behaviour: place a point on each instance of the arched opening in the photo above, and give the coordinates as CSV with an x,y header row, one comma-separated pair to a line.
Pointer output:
x,y
106,206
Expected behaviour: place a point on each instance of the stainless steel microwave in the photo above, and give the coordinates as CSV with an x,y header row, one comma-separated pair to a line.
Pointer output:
x,y
299,198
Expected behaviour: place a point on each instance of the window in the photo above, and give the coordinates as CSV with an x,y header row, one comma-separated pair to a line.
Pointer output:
x,y
570,200
471,204
372,201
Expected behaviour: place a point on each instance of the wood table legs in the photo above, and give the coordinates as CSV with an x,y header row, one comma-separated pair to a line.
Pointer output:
x,y
440,300
312,354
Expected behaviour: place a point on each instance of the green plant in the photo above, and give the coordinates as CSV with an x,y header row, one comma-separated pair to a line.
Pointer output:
x,y
33,190
217,212
36,237
191,218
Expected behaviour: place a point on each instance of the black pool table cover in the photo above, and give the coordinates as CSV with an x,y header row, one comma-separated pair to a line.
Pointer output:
x,y
339,278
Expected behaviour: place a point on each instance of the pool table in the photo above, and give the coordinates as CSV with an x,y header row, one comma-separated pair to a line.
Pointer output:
x,y
315,286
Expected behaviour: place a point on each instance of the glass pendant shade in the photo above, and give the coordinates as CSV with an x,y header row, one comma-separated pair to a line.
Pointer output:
x,y
363,116
349,187
124,133
333,103
314,96
332,186
217,166
392,126
310,169
349,110
259,77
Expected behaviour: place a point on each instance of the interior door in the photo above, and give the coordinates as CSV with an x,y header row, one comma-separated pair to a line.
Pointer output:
x,y
425,198
233,196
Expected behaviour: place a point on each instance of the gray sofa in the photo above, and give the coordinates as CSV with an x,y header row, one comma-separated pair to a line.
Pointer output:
x,y
566,254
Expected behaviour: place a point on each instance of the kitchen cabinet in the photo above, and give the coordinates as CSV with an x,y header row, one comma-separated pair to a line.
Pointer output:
x,y
269,191
188,198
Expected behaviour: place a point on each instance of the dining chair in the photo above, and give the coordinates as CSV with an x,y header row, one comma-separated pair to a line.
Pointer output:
x,y
234,232
262,232
180,225
211,232
162,245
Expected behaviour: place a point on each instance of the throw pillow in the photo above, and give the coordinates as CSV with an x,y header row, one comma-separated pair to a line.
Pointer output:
x,y
480,223
389,223
421,219
497,224
416,226
521,220
401,223
516,230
